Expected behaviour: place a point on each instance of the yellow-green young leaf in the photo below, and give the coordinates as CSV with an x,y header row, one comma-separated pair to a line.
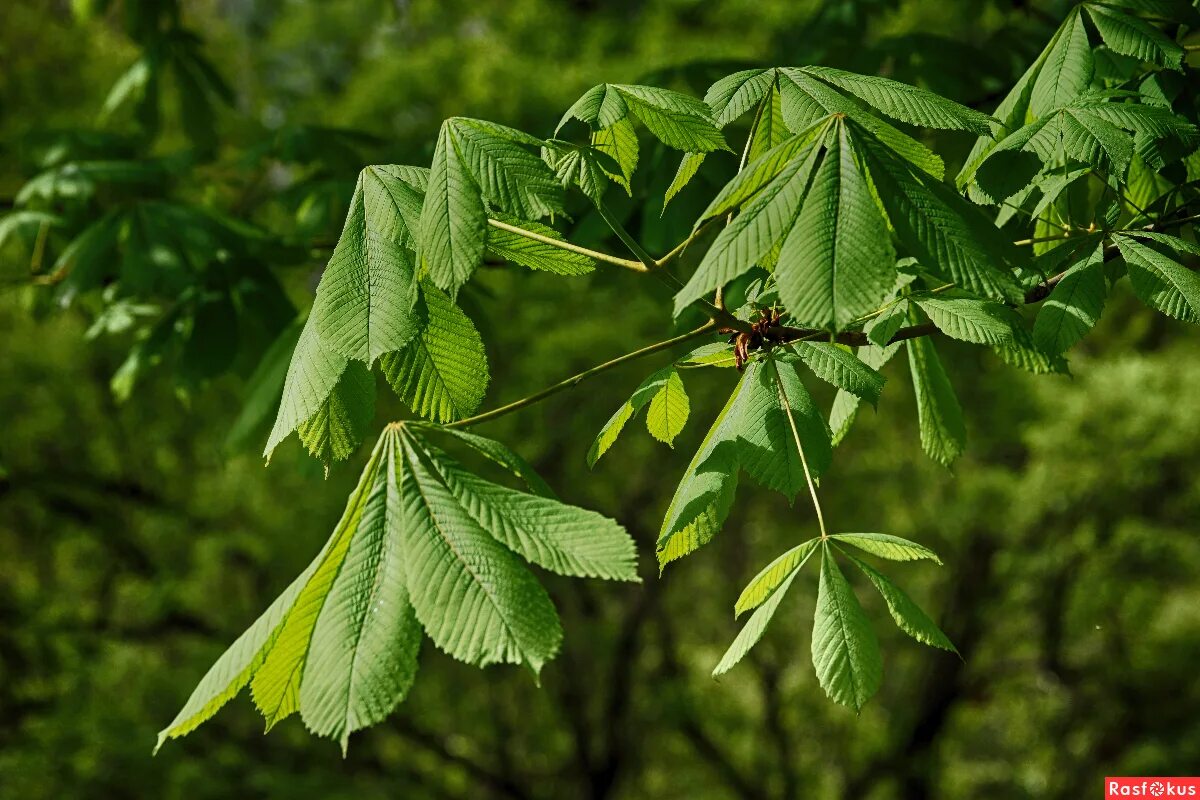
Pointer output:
x,y
716,354
943,432
845,651
276,683
668,411
837,263
341,422
619,141
754,628
884,545
765,582
642,395
443,373
534,254
474,598
908,615
366,303
233,670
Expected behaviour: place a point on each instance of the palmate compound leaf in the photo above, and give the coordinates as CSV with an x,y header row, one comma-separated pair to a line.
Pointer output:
x,y
845,651
477,164
1134,37
422,545
328,398
753,433
366,303
443,373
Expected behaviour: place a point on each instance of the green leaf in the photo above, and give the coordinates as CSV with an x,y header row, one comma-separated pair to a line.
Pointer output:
x,y
341,422
906,103
576,166
689,165
778,410
422,544
970,319
752,233
619,142
882,328
845,651
312,376
1161,282
759,172
668,411
443,373
561,538
845,404
675,119
764,584
770,130
734,95
507,174
1075,304
908,615
643,394
837,262
716,354
1134,37
276,684
471,594
534,254
705,493
884,545
754,628
838,366
501,454
944,232
943,432
453,220
1067,71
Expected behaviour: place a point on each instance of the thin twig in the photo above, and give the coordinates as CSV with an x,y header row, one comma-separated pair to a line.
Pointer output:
x,y
574,380
812,487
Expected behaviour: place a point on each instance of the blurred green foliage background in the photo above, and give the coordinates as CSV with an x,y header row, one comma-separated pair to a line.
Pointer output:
x,y
139,538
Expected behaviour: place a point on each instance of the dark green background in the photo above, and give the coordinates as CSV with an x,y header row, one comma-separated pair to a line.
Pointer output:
x,y
135,544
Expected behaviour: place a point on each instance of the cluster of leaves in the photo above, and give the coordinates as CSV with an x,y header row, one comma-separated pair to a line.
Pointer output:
x,y
840,243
